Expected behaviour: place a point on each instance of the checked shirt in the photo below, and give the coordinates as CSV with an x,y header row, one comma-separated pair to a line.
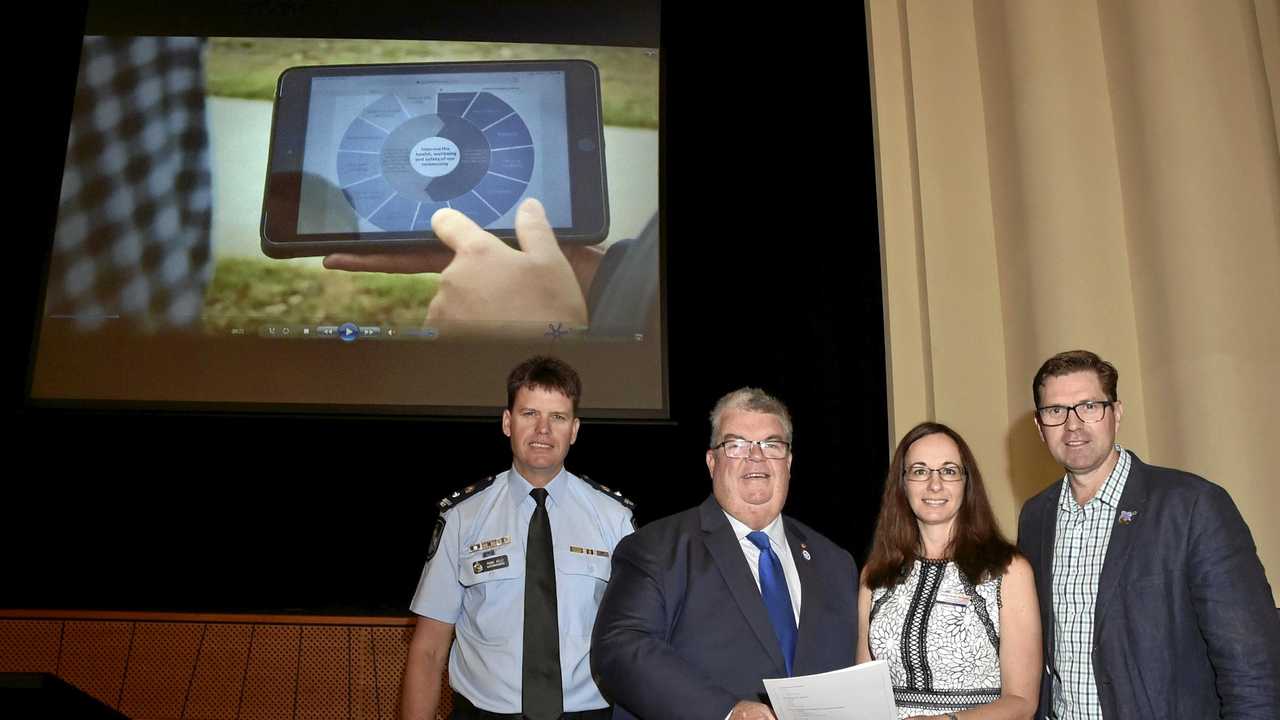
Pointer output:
x,y
1079,549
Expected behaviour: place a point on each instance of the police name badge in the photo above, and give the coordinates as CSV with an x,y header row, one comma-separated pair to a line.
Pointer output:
x,y
487,564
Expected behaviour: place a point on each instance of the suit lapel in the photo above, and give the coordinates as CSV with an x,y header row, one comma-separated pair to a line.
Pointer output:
x,y
1048,534
1124,536
1044,522
809,635
725,550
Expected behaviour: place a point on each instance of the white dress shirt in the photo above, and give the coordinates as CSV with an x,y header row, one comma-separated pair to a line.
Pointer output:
x,y
778,540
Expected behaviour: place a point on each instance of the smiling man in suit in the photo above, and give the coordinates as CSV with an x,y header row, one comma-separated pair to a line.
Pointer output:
x,y
1153,602
704,604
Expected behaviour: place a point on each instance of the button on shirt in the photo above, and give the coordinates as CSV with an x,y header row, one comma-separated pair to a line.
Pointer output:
x,y
1079,549
778,541
475,581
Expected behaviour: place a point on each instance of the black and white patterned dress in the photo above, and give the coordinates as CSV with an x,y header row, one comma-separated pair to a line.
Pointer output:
x,y
939,634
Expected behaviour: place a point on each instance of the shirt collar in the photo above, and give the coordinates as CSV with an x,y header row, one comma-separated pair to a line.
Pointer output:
x,y
776,532
1114,485
518,488
1111,490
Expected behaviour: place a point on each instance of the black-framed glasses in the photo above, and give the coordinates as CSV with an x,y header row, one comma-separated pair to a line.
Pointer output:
x,y
1089,411
947,473
739,448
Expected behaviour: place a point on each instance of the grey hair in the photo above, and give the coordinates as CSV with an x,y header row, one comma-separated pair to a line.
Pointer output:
x,y
752,400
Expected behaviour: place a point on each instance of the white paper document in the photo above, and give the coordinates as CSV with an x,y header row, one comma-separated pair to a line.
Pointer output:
x,y
858,692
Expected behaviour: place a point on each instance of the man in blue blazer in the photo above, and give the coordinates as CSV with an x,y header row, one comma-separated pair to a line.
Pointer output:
x,y
704,604
1152,600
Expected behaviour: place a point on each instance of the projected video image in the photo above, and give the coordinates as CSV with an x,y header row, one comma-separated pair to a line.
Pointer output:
x,y
164,286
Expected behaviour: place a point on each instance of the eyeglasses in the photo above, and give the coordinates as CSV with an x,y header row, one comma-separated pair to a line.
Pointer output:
x,y
947,473
1089,411
739,448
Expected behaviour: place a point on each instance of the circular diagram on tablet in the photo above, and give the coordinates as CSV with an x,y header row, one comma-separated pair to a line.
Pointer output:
x,y
474,154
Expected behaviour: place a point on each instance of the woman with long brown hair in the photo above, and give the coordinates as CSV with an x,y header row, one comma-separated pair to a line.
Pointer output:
x,y
945,600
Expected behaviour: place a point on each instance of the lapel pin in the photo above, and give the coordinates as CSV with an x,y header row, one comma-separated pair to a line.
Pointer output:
x,y
1128,516
804,550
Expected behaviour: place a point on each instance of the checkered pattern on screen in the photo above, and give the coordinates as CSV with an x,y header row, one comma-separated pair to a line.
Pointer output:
x,y
1079,549
132,240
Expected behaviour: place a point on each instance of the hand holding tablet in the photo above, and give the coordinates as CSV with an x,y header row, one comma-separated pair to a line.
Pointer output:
x,y
486,286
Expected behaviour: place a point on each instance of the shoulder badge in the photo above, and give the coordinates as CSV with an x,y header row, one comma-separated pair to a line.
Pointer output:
x,y
458,496
615,494
448,502
435,537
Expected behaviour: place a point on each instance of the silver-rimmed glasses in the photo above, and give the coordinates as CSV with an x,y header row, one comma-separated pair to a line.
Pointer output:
x,y
740,448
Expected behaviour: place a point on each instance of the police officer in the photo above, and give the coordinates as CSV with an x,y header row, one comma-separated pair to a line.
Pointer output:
x,y
515,571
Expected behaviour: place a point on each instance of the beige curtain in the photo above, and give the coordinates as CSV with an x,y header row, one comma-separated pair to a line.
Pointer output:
x,y
1103,175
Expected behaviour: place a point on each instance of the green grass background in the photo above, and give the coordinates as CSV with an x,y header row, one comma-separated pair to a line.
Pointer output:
x,y
274,292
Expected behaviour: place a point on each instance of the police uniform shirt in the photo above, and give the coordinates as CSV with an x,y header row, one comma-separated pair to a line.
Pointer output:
x,y
474,579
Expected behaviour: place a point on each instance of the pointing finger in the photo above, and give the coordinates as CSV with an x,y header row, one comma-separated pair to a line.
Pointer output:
x,y
533,231
459,232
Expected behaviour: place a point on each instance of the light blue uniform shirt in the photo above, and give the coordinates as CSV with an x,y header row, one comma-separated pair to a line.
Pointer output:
x,y
475,581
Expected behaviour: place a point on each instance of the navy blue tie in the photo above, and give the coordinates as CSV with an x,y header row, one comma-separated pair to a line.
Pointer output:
x,y
777,599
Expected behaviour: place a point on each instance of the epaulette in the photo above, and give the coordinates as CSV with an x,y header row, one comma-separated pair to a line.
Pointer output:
x,y
614,494
450,501
458,496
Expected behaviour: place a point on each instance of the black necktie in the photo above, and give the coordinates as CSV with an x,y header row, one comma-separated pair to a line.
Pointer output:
x,y
542,696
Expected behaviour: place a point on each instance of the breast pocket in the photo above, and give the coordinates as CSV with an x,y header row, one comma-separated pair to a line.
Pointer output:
x,y
494,593
582,582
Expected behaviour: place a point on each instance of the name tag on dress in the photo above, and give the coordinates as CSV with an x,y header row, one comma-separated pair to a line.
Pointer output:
x,y
956,599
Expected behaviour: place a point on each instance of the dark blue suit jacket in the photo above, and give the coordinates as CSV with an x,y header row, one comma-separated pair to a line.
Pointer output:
x,y
1184,625
682,631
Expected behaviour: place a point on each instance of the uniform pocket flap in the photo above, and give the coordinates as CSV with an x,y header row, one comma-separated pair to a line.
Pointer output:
x,y
580,560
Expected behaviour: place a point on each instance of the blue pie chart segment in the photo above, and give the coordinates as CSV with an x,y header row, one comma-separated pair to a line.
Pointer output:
x,y
475,208
500,192
487,110
369,195
509,133
363,136
454,104
385,113
425,211
354,167
474,154
396,212
514,163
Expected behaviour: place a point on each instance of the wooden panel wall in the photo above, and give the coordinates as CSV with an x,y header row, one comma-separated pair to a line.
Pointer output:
x,y
164,666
